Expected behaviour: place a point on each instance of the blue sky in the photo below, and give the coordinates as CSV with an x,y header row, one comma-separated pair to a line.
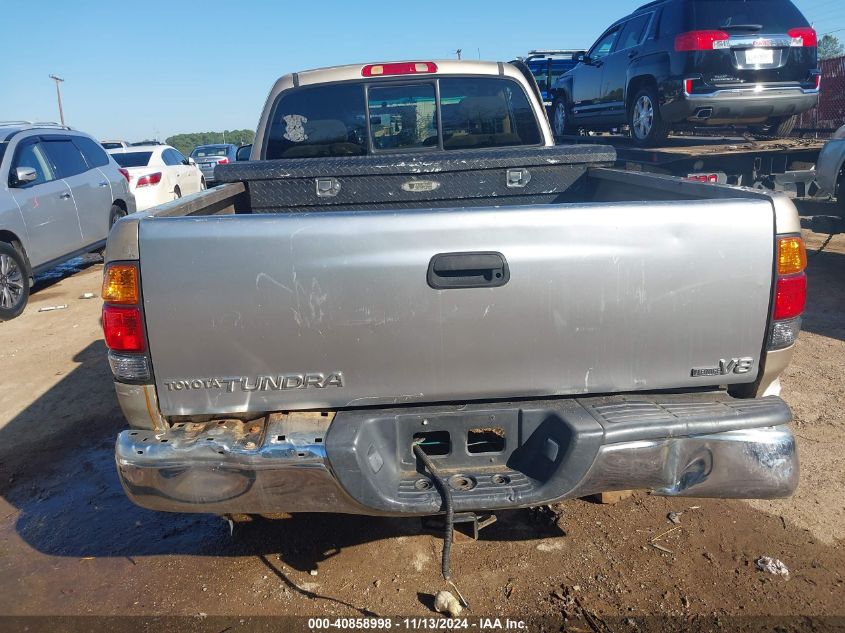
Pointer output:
x,y
156,68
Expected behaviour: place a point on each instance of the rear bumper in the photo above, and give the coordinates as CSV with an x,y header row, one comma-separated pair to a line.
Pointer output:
x,y
701,445
151,196
738,105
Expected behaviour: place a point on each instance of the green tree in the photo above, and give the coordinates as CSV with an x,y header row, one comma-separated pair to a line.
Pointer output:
x,y
187,142
830,47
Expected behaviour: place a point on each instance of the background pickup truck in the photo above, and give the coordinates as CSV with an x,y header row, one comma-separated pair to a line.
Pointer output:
x,y
408,260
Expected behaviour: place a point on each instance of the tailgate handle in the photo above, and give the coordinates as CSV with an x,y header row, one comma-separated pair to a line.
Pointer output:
x,y
468,270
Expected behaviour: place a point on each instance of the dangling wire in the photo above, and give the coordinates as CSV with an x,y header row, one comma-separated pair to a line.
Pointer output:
x,y
446,494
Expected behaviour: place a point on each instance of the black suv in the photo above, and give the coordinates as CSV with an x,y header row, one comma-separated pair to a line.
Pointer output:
x,y
683,63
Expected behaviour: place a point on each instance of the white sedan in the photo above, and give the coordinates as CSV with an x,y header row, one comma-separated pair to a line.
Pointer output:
x,y
157,173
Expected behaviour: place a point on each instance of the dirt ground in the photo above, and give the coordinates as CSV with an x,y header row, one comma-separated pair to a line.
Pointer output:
x,y
72,544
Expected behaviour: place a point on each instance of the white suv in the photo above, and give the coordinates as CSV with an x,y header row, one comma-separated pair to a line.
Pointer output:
x,y
60,194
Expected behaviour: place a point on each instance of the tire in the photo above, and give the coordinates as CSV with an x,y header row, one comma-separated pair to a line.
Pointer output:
x,y
561,117
785,127
115,214
644,119
14,282
203,186
778,128
177,193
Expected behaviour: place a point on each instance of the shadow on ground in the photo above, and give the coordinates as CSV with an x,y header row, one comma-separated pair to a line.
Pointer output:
x,y
71,503
825,313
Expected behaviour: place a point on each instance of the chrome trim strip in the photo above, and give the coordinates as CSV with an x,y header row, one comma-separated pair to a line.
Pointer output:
x,y
767,91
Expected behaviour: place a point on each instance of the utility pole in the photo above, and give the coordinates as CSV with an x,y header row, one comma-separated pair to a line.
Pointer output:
x,y
458,53
58,80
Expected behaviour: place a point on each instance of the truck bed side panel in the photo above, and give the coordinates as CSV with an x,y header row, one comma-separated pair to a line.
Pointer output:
x,y
601,298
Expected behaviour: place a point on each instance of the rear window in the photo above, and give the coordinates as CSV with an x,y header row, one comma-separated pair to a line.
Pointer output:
x,y
486,112
316,121
764,16
94,154
133,159
403,117
332,120
205,152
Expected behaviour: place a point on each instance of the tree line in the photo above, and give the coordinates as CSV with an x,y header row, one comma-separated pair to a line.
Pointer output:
x,y
186,142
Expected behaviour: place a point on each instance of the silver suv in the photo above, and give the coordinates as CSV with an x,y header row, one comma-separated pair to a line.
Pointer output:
x,y
60,194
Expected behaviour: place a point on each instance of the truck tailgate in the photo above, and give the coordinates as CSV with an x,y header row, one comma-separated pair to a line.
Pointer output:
x,y
335,309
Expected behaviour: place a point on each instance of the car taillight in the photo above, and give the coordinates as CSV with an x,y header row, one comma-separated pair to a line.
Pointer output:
x,y
702,41
223,161
149,179
711,178
124,173
123,322
818,82
398,68
120,284
790,292
803,36
123,329
790,297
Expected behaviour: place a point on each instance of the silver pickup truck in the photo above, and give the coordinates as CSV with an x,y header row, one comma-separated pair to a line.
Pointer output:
x,y
409,285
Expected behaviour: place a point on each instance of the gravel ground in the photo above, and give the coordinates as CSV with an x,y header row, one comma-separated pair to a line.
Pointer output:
x,y
71,544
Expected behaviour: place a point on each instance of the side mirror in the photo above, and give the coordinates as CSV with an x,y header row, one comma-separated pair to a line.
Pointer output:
x,y
243,152
582,57
24,175
189,161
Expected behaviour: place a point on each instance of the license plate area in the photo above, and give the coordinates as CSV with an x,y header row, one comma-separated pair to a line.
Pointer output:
x,y
490,457
759,57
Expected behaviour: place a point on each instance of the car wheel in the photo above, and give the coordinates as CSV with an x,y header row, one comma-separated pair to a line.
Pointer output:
x,y
778,127
177,193
560,118
645,120
202,184
14,282
785,126
115,214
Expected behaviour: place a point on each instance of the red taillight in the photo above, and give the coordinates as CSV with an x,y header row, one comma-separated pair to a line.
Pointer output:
x,y
223,161
123,329
149,179
701,40
790,296
818,82
398,68
711,178
688,85
803,36
124,173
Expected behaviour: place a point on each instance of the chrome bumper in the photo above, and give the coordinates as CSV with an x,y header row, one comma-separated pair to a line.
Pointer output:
x,y
748,464
281,465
